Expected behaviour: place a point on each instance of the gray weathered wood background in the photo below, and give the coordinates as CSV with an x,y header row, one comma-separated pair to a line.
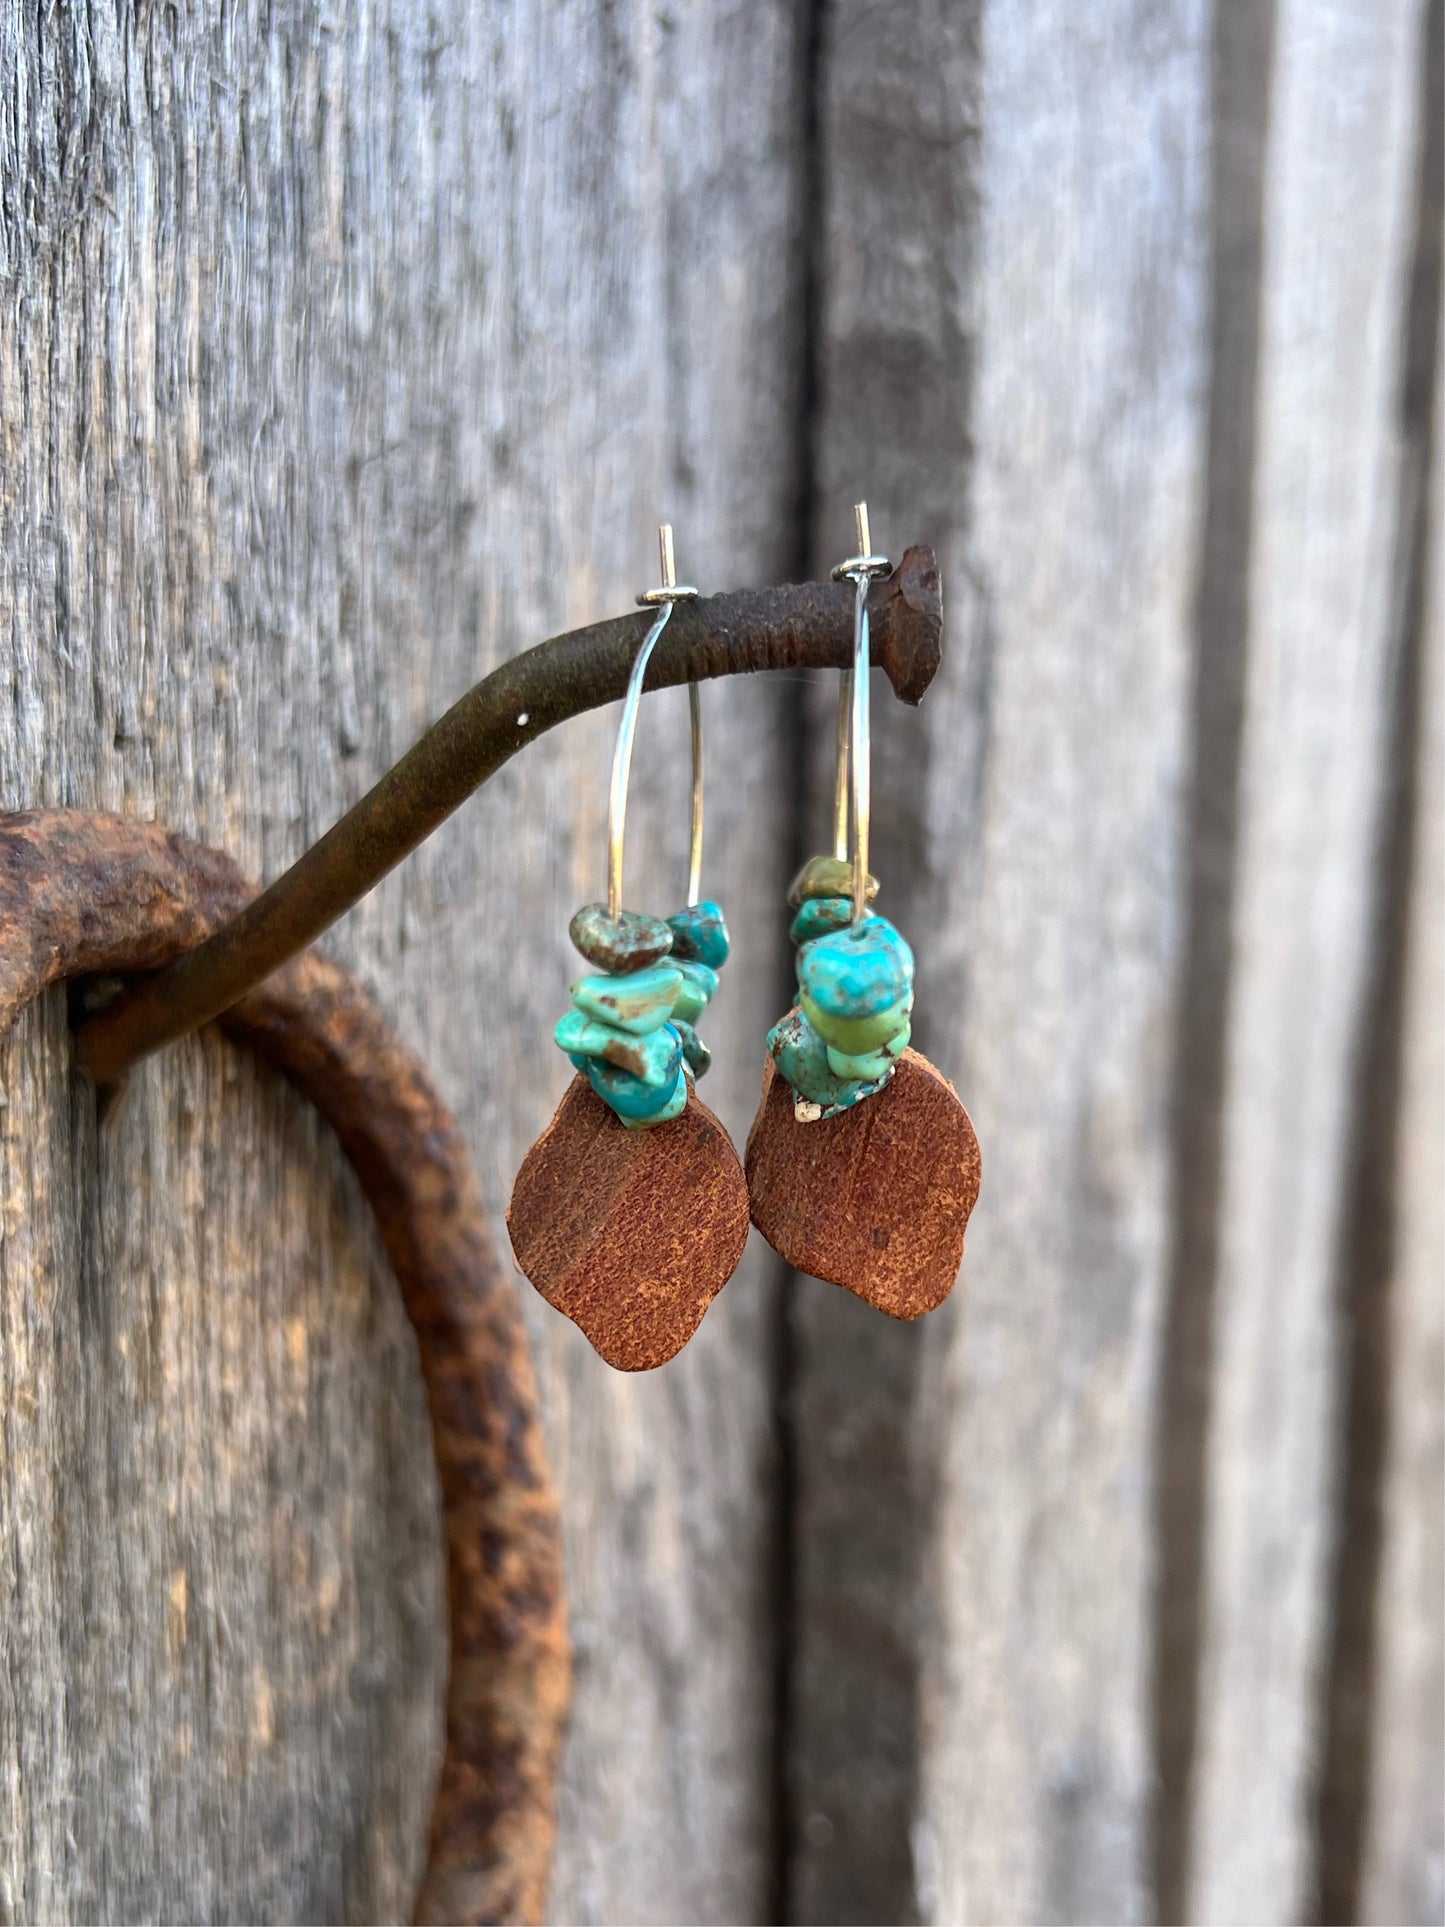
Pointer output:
x,y
345,349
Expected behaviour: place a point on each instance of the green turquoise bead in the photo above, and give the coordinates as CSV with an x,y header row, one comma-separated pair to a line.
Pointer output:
x,y
871,1065
695,1053
858,972
696,992
618,944
856,1036
802,1060
826,876
652,1058
699,935
632,1100
819,917
639,1002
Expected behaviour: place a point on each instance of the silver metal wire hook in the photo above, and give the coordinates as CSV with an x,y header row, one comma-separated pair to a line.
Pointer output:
x,y
663,600
854,745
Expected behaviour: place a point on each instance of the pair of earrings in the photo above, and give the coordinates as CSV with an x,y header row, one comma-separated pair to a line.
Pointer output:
x,y
631,1211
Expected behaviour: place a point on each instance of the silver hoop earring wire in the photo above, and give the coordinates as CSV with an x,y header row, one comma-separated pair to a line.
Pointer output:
x,y
854,746
663,600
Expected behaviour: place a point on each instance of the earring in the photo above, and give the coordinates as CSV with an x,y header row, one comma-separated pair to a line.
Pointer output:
x,y
630,1212
862,1165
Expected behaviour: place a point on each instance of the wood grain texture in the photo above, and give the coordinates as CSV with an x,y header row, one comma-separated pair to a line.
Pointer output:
x,y
201,1616
1014,329
1239,90
1317,681
1403,1870
344,351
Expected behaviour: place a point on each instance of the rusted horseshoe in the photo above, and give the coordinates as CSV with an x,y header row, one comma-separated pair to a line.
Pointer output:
x,y
86,894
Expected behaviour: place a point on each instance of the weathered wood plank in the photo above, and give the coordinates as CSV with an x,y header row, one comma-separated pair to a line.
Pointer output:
x,y
1015,314
342,352
1239,111
220,1514
203,1624
1403,1872
897,139
1339,178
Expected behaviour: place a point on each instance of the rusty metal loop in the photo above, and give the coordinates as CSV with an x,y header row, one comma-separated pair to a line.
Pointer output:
x,y
82,894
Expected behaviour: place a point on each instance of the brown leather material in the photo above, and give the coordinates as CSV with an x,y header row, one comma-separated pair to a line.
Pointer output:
x,y
631,1233
876,1199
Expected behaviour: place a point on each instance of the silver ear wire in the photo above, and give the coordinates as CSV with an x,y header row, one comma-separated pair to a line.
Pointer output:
x,y
854,746
694,841
663,600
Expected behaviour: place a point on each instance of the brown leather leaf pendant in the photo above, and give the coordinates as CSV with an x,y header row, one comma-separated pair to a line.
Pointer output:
x,y
875,1199
631,1233
862,1165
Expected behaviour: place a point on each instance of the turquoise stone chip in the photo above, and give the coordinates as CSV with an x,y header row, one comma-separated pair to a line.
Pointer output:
x,y
855,1094
698,988
810,1068
695,1053
802,1059
858,972
665,1113
826,876
820,917
639,1002
699,935
628,1095
617,944
653,1057
856,1036
870,1065
580,1035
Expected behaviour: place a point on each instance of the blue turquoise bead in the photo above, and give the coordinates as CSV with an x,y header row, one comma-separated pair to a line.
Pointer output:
x,y
696,991
868,1067
665,1113
639,1002
858,972
819,917
700,935
855,997
628,1095
695,1053
653,1058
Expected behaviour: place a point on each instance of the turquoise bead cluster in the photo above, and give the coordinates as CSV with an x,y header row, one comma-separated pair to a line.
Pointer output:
x,y
632,1027
855,998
